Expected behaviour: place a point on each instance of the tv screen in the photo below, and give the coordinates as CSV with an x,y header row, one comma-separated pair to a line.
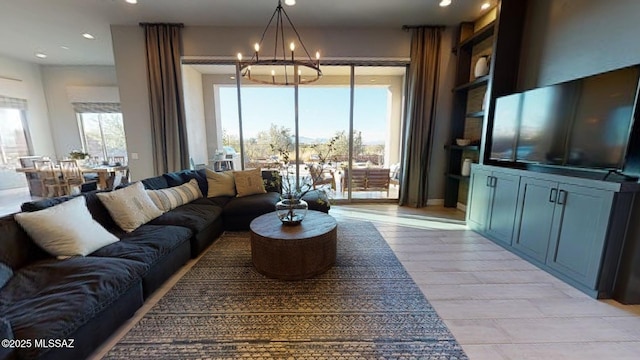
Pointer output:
x,y
582,123
505,126
601,124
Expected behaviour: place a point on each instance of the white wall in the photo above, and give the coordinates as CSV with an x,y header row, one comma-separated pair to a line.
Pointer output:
x,y
194,112
131,71
28,85
568,39
57,82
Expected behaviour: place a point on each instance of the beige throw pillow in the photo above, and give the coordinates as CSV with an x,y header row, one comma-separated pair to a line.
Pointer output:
x,y
130,207
220,183
171,198
249,182
66,229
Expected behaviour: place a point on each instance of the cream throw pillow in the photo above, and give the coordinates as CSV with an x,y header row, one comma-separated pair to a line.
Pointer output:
x,y
130,207
220,183
66,229
171,198
249,182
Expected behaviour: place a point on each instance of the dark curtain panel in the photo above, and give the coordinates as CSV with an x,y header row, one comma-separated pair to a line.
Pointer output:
x,y
170,152
422,91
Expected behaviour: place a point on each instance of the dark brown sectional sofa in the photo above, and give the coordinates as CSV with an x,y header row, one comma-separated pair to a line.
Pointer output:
x,y
87,298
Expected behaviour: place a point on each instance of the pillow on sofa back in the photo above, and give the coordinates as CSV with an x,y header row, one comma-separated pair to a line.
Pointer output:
x,y
171,198
130,207
65,229
184,176
220,183
249,182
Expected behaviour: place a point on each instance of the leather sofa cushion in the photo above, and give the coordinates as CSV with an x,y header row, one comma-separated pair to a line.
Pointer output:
x,y
317,200
252,205
193,216
147,244
220,201
16,247
53,298
155,183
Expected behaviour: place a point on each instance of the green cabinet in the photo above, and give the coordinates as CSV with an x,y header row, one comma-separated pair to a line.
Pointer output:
x,y
492,203
578,232
574,228
534,217
479,194
563,226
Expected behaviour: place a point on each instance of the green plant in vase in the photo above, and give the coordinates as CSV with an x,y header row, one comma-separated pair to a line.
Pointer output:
x,y
291,209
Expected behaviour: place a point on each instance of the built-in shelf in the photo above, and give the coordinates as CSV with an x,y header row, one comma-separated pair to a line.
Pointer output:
x,y
477,82
476,114
463,148
458,177
478,37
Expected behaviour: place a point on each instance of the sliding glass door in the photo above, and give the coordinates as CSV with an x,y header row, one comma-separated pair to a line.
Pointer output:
x,y
359,106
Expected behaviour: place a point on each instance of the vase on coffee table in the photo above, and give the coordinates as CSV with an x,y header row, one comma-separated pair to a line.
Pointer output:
x,y
291,210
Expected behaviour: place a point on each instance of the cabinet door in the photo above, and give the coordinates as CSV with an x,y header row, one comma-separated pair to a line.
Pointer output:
x,y
536,203
579,231
478,203
502,209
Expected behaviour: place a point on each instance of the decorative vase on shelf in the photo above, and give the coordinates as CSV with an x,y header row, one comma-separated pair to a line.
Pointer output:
x,y
482,66
291,210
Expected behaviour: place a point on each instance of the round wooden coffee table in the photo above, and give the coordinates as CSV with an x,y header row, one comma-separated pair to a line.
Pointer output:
x,y
293,252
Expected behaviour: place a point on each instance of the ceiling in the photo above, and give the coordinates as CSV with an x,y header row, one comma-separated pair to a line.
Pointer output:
x,y
54,27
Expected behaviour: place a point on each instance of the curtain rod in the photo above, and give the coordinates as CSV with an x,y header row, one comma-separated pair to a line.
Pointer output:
x,y
170,24
409,27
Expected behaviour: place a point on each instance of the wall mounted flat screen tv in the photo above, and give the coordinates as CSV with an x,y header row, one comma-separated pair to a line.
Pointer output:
x,y
584,123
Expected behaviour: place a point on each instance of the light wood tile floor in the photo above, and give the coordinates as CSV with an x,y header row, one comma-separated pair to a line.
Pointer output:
x,y
497,305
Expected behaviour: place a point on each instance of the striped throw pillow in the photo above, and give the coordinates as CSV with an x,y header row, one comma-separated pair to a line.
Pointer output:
x,y
171,198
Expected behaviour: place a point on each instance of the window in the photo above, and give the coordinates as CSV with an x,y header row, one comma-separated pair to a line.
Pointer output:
x,y
14,141
101,129
371,123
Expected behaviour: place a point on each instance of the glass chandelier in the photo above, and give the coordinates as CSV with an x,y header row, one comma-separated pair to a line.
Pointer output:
x,y
282,67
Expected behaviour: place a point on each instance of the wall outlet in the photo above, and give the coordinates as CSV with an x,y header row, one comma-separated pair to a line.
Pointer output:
x,y
134,156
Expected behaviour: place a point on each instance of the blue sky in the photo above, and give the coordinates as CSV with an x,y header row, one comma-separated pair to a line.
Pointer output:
x,y
323,110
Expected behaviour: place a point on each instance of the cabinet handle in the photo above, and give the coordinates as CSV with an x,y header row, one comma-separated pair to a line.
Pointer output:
x,y
494,181
562,197
489,181
553,195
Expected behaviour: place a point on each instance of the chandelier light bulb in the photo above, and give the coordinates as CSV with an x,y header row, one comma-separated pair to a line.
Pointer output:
x,y
444,3
273,73
317,55
256,46
485,6
239,57
289,2
292,46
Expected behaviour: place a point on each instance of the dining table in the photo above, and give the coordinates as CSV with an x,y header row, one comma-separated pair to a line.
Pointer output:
x,y
104,172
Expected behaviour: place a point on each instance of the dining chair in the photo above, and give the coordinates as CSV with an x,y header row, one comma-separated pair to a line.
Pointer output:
x,y
49,180
71,176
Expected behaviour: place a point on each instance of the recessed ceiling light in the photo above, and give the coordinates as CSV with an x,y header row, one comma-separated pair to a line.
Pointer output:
x,y
88,36
132,1
232,77
290,2
444,3
41,55
64,47
485,6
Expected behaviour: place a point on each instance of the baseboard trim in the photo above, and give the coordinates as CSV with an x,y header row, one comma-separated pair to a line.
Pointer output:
x,y
435,202
461,207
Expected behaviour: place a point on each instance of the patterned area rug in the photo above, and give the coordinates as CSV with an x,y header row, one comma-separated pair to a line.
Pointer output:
x,y
366,307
